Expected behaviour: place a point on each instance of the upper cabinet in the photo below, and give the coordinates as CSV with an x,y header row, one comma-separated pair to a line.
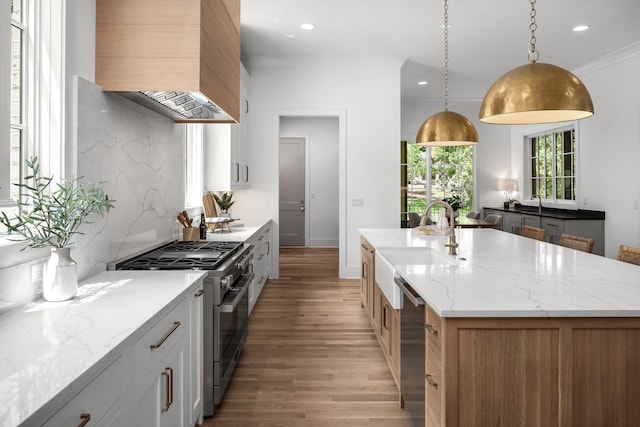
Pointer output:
x,y
226,148
179,58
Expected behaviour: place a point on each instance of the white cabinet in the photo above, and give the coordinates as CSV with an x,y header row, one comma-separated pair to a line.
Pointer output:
x,y
155,379
240,138
262,251
159,398
159,359
226,156
196,363
97,404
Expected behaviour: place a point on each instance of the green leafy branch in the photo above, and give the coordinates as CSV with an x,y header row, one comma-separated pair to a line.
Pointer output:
x,y
51,217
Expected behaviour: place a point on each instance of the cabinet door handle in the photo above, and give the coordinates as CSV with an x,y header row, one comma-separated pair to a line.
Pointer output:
x,y
385,307
236,172
168,373
176,325
268,247
199,293
429,327
431,381
85,419
246,173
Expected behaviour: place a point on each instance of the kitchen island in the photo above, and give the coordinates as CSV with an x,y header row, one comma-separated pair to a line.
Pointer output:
x,y
522,332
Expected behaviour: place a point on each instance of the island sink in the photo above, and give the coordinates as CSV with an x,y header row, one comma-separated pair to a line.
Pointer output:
x,y
388,258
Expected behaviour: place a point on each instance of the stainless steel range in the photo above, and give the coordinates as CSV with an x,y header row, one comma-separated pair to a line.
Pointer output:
x,y
226,301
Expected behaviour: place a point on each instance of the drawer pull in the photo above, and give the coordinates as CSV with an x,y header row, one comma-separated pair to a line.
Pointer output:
x,y
85,419
168,372
430,329
199,293
431,381
552,225
176,325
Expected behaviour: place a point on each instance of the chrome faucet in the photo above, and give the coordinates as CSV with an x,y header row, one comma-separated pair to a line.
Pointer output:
x,y
539,202
451,244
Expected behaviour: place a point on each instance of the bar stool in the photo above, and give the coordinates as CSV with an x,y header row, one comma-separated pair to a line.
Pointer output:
x,y
579,243
532,232
629,254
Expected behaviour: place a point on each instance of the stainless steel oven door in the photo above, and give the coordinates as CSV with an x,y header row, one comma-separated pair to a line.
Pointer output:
x,y
232,316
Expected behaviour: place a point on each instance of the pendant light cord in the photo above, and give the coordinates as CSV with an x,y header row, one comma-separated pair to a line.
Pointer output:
x,y
446,56
533,53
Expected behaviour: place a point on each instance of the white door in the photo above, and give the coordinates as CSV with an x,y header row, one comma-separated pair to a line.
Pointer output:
x,y
292,191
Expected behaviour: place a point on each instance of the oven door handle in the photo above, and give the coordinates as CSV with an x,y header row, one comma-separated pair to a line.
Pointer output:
x,y
231,306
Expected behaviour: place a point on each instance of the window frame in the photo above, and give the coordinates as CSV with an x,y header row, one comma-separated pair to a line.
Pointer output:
x,y
194,165
405,186
528,137
44,110
6,23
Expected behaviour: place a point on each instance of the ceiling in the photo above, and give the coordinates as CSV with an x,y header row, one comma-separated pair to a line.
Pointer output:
x,y
487,38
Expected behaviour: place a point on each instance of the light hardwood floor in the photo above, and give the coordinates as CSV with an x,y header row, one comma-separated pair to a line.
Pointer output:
x,y
311,359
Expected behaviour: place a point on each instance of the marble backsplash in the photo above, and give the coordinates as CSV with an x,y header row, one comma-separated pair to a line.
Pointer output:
x,y
139,156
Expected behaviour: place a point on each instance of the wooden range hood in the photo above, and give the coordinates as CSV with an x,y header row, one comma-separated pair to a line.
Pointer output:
x,y
159,51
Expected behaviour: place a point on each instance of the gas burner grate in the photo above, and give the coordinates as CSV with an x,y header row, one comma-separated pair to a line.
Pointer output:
x,y
183,255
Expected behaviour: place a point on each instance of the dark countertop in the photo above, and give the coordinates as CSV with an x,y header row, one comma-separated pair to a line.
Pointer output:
x,y
551,212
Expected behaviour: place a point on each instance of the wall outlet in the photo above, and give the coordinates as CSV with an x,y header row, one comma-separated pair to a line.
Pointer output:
x,y
357,203
636,204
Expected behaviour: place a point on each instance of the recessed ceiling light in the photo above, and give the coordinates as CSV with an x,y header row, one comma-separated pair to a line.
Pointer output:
x,y
422,83
579,28
308,26
289,36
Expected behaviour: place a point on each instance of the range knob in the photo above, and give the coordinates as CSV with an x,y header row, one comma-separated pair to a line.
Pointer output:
x,y
227,281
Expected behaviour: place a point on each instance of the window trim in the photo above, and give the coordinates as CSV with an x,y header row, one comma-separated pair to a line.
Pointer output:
x,y
5,107
194,165
528,191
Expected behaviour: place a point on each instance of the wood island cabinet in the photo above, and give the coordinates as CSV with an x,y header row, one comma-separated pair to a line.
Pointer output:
x,y
542,372
367,260
385,320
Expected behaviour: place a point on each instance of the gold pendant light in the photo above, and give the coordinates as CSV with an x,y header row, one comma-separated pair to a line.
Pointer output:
x,y
536,92
446,128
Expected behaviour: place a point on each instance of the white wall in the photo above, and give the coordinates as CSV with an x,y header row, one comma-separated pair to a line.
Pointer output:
x,y
322,172
368,92
609,146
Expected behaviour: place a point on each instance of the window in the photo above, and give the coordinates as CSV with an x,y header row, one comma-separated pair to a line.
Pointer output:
x,y
449,172
194,157
33,105
552,159
17,95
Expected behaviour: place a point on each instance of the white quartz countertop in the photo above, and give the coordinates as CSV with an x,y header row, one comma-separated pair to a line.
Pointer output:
x,y
235,233
498,274
47,349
